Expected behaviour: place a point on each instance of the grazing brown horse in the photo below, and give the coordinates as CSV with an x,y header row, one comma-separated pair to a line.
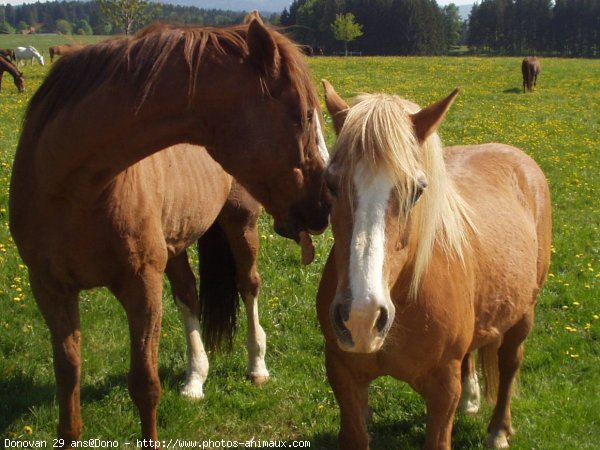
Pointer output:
x,y
61,50
530,67
7,66
8,53
438,252
244,93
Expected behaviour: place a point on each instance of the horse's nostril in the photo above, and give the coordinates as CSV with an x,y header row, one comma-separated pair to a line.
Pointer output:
x,y
382,320
337,317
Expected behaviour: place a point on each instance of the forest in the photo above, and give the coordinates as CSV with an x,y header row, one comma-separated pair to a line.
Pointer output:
x,y
389,27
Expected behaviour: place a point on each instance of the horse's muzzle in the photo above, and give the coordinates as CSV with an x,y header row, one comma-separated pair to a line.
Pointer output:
x,y
360,329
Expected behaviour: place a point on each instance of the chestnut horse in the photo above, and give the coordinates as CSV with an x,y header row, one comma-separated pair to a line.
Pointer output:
x,y
56,50
244,93
8,53
530,67
438,252
7,66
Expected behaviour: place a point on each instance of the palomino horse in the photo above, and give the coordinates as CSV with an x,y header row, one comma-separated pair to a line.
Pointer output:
x,y
531,69
28,53
7,66
56,50
438,252
244,93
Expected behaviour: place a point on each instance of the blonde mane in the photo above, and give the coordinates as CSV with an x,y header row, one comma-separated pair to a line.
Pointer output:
x,y
378,130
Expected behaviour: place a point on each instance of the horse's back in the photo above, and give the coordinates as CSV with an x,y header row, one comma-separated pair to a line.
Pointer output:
x,y
509,199
506,182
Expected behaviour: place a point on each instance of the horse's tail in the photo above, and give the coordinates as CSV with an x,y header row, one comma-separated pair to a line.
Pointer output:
x,y
488,363
219,296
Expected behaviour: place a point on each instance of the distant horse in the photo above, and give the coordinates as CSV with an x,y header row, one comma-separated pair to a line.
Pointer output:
x,y
76,215
56,50
28,54
438,252
530,67
7,66
8,53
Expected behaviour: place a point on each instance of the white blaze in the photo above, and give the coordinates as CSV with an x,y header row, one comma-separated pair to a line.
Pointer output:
x,y
321,143
367,249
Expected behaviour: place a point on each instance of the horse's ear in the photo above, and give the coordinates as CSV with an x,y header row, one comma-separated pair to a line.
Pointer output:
x,y
254,15
338,108
263,50
426,121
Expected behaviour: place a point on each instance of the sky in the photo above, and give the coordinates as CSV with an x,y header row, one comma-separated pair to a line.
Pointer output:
x,y
199,3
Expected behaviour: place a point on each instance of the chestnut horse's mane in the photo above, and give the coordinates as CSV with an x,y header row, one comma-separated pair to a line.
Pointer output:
x,y
142,60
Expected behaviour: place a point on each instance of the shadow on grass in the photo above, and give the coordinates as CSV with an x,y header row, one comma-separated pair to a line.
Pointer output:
x,y
409,434
512,91
20,393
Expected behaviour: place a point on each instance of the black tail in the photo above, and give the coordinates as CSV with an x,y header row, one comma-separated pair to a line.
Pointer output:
x,y
219,295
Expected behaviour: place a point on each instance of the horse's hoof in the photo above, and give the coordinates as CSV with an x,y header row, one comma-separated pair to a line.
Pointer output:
x,y
192,391
258,378
497,442
470,408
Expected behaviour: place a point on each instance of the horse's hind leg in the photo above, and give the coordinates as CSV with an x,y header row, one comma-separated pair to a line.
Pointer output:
x,y
470,398
510,355
60,308
141,295
238,220
185,293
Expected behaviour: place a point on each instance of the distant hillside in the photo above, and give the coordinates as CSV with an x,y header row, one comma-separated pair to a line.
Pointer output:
x,y
272,6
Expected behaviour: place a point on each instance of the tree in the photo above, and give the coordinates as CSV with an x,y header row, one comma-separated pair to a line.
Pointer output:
x,y
63,26
82,27
452,25
126,14
346,29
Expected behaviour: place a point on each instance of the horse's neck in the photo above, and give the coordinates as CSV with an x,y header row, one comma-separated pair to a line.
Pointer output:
x,y
105,132
10,68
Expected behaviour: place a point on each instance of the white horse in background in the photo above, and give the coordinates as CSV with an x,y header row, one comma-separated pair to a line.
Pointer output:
x,y
28,53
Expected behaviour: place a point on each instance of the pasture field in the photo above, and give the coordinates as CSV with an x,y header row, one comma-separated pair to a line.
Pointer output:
x,y
557,407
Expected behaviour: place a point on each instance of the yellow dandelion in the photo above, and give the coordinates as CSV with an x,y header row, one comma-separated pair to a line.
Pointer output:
x,y
27,430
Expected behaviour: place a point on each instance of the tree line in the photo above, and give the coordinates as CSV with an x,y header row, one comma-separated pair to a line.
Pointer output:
x,y
387,27
516,27
80,17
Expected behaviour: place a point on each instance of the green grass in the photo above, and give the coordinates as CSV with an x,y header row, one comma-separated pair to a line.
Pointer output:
x,y
557,407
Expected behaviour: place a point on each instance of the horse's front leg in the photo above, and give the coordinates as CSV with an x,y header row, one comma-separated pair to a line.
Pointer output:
x,y
141,296
60,308
352,394
441,390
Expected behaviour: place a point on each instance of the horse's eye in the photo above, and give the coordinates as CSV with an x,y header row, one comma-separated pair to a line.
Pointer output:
x,y
420,186
310,114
